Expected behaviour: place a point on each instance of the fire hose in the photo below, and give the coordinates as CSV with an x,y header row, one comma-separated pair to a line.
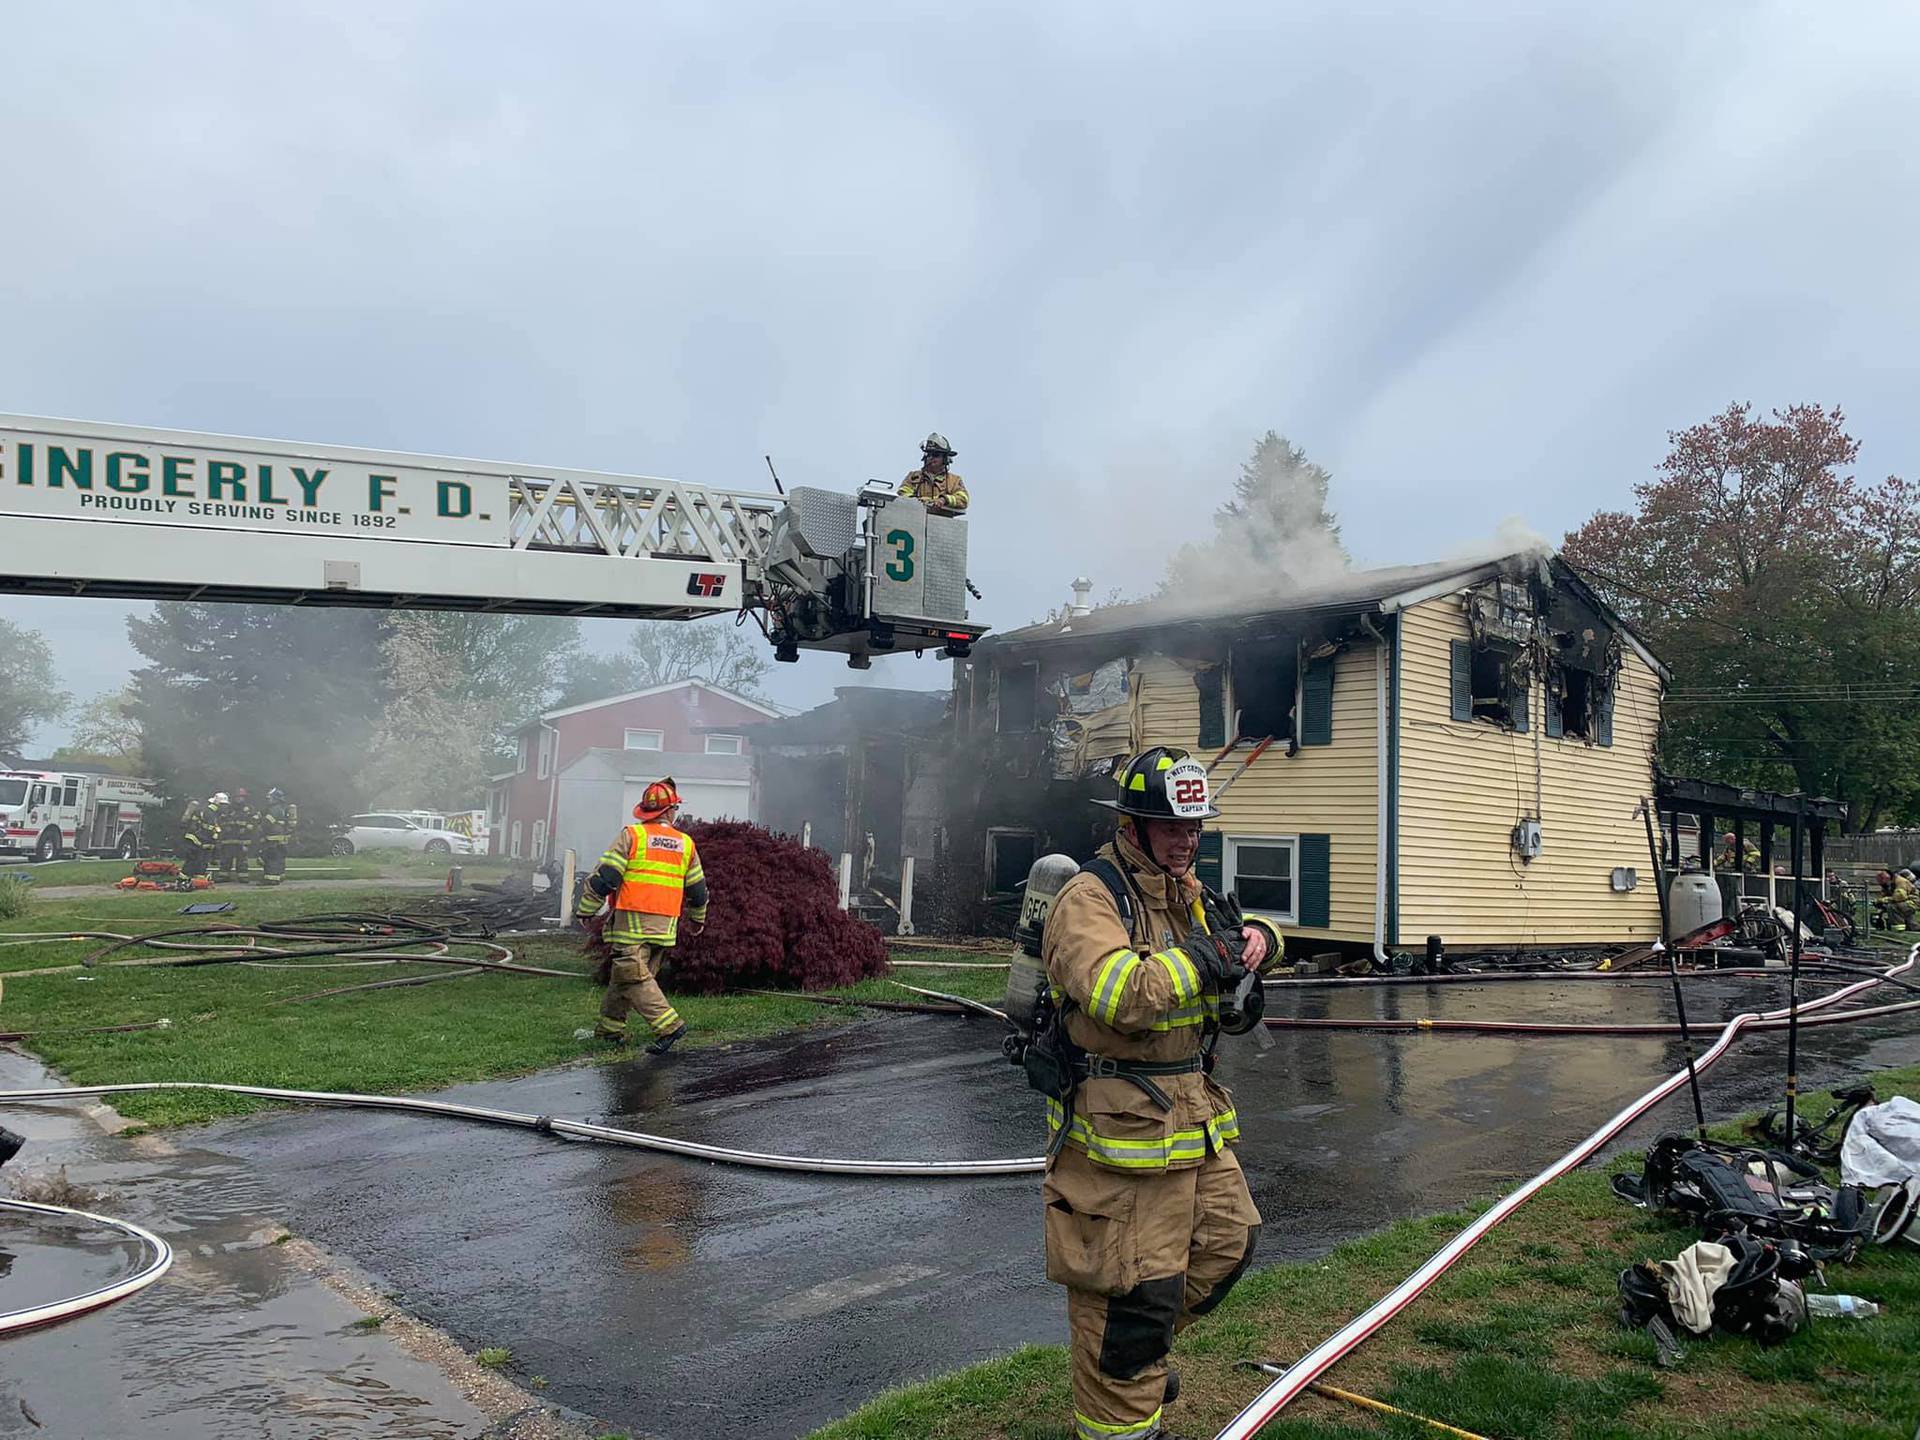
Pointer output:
x,y
158,1259
1264,1407
548,1125
1355,1332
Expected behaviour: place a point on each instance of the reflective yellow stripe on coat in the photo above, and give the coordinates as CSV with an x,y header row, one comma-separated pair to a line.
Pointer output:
x,y
1180,1145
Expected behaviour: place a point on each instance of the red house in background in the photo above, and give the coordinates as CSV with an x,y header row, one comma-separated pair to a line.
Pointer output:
x,y
573,767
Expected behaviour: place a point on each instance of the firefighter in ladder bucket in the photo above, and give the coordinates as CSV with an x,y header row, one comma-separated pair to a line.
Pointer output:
x,y
652,879
1148,1219
933,484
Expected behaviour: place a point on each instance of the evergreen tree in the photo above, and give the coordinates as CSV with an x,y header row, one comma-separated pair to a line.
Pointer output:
x,y
260,695
1274,533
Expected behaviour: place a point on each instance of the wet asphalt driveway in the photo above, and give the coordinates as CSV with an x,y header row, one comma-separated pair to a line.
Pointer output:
x,y
678,1298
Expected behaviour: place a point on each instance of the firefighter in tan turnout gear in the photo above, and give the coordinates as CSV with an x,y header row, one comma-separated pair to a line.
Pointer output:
x,y
933,484
652,877
1148,1219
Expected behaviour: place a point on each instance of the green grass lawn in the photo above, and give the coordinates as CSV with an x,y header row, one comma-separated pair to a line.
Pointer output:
x,y
228,1024
1517,1340
366,865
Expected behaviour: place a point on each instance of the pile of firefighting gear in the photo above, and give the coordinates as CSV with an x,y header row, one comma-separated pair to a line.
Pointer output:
x,y
224,834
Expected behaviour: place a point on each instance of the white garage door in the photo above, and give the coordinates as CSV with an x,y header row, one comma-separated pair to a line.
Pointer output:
x,y
714,799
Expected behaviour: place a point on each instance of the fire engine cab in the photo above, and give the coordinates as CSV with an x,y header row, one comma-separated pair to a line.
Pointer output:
x,y
51,813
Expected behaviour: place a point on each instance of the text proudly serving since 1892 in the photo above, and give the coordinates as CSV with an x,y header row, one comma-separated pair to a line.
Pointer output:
x,y
83,477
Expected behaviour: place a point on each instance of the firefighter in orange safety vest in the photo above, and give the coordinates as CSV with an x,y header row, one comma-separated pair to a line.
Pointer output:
x,y
1148,1219
651,877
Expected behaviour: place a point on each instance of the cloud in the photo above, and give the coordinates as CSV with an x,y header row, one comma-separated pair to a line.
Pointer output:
x,y
1476,264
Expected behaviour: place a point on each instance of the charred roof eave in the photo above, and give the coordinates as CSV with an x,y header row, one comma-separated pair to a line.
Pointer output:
x,y
1126,629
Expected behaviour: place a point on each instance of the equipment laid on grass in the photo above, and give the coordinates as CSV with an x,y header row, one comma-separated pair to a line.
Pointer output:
x,y
1738,1190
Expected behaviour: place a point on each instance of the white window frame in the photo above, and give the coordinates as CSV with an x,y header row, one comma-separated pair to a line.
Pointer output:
x,y
660,740
739,745
546,758
1230,871
513,845
539,840
520,757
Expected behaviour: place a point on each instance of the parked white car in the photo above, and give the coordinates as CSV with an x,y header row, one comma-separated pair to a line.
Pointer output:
x,y
397,832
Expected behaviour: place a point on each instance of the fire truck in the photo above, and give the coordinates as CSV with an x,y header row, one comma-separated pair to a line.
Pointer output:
x,y
112,510
48,814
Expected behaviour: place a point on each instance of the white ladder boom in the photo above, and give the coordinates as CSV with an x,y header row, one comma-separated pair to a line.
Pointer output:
x,y
110,510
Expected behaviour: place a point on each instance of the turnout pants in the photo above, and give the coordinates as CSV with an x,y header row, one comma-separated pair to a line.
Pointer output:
x,y
1143,1254
631,988
194,857
273,860
233,857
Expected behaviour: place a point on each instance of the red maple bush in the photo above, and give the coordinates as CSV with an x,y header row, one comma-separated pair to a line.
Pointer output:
x,y
774,919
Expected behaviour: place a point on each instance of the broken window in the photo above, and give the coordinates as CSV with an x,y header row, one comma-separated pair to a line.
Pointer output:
x,y
1010,855
1019,698
1489,683
1263,680
1580,705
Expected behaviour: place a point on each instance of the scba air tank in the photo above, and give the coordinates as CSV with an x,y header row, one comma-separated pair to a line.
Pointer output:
x,y
1025,976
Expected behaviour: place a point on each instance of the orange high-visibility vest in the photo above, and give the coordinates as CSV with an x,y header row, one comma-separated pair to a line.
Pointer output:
x,y
655,882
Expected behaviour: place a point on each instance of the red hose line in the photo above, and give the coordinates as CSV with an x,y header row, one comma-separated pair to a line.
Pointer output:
x,y
1356,1331
1545,1027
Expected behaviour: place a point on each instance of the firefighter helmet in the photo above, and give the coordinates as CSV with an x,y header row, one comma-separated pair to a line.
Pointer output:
x,y
219,797
1162,784
276,795
658,798
936,444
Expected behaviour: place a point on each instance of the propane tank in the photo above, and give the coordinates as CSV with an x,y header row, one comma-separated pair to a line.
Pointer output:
x,y
1026,977
1693,900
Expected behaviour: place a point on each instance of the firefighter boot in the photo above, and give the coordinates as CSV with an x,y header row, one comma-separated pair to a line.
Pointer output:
x,y
664,1043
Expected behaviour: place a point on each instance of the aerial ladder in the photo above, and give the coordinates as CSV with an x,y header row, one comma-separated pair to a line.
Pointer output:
x,y
131,513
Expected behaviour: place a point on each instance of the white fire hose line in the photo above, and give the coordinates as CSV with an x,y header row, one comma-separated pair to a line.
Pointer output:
x,y
159,1258
1349,1337
603,1134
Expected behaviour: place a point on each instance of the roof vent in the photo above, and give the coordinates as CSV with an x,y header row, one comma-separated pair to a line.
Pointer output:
x,y
1082,588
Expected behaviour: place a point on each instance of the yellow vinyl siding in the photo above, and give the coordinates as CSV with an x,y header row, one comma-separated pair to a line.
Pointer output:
x,y
1329,790
1166,703
1464,784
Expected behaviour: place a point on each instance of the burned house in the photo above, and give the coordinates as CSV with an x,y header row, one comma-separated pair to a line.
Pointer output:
x,y
859,776
1453,749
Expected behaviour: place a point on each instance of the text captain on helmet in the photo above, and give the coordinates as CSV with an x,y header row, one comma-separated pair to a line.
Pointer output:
x,y
933,484
1148,1219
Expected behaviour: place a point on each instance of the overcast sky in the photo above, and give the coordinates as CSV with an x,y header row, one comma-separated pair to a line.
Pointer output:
x,y
1477,267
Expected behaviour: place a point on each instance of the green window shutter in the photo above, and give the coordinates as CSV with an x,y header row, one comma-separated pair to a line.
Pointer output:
x,y
1316,881
1207,864
1316,703
1213,705
1462,680
1603,722
1555,685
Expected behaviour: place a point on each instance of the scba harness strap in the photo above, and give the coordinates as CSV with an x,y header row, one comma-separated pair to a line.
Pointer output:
x,y
1055,1066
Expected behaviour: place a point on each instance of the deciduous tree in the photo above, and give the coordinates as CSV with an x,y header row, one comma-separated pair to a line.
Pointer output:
x,y
30,692
665,652
106,735
1785,595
